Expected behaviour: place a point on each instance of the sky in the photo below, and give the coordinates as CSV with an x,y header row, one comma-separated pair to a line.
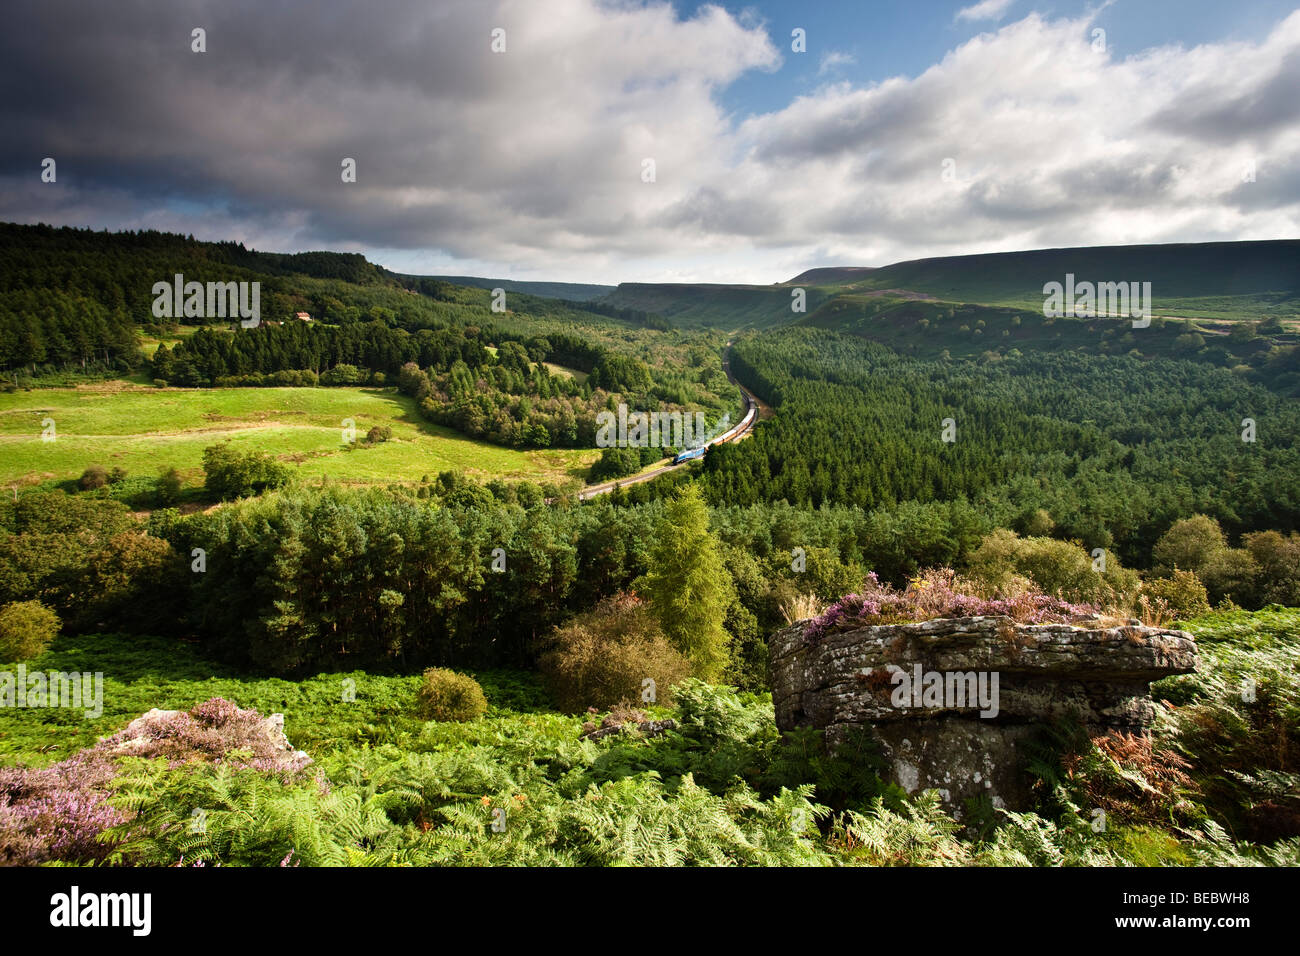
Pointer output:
x,y
653,142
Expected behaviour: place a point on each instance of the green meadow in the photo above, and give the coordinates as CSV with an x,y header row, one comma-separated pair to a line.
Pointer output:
x,y
144,429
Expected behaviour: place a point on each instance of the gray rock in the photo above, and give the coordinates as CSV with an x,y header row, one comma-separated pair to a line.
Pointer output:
x,y
951,702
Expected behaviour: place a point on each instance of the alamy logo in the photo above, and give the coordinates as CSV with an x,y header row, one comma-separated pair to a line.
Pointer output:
x,y
72,909
56,689
655,429
1087,300
948,690
217,300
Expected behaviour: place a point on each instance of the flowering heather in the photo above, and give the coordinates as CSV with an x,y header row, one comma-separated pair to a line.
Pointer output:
x,y
937,594
57,812
216,730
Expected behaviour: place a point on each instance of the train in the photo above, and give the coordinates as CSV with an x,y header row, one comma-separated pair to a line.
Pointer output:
x,y
726,436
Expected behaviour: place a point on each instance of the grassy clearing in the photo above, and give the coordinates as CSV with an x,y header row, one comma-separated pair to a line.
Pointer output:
x,y
149,343
141,673
564,371
145,429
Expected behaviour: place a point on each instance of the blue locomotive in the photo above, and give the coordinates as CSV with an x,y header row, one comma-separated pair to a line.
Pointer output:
x,y
688,455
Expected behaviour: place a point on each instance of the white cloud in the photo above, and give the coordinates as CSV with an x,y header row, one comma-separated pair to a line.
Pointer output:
x,y
985,10
530,161
833,60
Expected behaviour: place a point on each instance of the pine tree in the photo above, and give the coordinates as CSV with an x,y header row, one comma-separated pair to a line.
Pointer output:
x,y
687,584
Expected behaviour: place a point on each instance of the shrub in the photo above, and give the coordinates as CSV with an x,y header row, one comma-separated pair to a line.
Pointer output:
x,y
615,463
169,486
1191,543
27,628
342,374
62,812
604,656
1231,574
230,474
96,476
377,434
448,696
1062,568
1183,593
937,594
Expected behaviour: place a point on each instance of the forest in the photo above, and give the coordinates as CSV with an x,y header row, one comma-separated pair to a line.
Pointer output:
x,y
1112,448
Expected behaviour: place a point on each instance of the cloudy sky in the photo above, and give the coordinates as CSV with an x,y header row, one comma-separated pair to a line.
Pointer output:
x,y
901,129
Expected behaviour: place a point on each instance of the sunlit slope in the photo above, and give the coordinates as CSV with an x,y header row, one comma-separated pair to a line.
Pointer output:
x,y
1214,279
146,429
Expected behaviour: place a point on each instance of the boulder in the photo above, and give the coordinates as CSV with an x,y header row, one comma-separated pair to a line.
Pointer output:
x,y
209,731
950,703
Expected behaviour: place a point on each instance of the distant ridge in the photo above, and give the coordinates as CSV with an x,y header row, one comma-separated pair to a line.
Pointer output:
x,y
1176,270
833,275
1225,280
572,291
711,304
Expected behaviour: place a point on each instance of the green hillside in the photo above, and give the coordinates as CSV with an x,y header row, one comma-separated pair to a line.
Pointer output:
x,y
1211,279
144,429
571,291
716,306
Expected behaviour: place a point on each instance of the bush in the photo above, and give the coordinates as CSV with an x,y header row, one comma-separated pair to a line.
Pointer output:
x,y
169,486
615,463
230,474
1182,592
27,628
603,657
1061,568
1191,543
342,374
448,696
939,593
1231,574
96,476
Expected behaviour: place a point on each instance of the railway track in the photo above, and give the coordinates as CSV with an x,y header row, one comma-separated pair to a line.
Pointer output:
x,y
747,423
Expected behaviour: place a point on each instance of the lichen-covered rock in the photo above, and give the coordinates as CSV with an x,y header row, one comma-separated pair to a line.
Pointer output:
x,y
951,702
213,730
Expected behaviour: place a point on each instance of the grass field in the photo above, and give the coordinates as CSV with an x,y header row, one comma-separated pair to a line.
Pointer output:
x,y
146,429
149,343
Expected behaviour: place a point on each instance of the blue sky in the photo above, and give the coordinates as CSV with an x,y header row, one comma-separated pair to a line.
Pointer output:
x,y
905,37
907,129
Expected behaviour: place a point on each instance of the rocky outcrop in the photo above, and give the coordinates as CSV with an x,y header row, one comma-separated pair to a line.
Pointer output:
x,y
645,728
210,731
951,702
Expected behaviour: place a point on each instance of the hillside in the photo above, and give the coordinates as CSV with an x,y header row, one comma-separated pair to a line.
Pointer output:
x,y
570,291
833,275
1213,279
712,306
